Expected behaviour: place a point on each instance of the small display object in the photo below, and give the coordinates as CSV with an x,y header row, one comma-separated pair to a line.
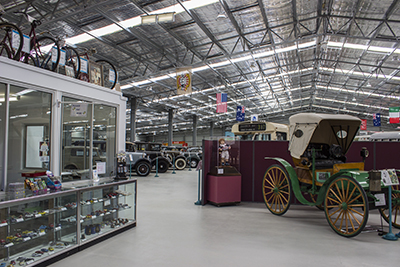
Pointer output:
x,y
96,73
122,169
224,151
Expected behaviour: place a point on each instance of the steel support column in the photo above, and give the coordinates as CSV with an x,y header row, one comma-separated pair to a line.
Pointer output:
x,y
133,118
170,128
194,130
211,128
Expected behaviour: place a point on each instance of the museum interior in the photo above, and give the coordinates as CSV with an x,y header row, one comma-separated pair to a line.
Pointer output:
x,y
199,132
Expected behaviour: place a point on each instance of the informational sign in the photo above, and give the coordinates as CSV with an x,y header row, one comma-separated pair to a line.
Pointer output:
x,y
54,54
15,39
62,58
220,171
101,167
84,65
26,47
389,177
95,177
381,201
111,75
44,151
79,110
254,117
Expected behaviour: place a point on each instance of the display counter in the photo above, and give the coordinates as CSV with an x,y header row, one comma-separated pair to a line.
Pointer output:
x,y
38,229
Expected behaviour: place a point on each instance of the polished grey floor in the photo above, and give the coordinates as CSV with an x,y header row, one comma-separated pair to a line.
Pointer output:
x,y
172,231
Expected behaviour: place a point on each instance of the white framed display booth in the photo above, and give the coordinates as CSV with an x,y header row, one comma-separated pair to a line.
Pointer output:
x,y
49,121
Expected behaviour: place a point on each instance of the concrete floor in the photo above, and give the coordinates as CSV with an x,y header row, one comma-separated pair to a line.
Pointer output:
x,y
172,231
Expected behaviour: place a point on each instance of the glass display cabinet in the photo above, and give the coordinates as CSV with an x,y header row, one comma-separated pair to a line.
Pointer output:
x,y
35,229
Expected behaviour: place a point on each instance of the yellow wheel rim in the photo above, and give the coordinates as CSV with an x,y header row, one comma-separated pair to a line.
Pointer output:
x,y
346,206
276,190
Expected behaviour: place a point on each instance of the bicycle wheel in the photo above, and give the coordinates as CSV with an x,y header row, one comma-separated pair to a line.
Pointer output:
x,y
41,50
6,39
5,51
72,60
110,75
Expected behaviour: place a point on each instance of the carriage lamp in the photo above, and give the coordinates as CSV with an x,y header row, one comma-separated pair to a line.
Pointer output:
x,y
364,153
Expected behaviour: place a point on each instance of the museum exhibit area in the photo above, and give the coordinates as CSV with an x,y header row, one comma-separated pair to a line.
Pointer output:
x,y
53,122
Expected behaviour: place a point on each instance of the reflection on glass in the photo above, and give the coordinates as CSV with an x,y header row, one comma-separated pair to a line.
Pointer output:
x,y
29,129
75,159
2,127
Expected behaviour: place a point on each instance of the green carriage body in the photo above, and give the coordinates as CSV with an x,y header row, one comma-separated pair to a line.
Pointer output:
x,y
322,178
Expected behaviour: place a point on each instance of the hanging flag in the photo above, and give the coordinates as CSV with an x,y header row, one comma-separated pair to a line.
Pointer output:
x,y
363,126
376,118
222,103
184,80
240,113
394,116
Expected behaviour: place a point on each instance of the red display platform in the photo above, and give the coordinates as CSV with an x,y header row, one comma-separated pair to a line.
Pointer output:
x,y
224,190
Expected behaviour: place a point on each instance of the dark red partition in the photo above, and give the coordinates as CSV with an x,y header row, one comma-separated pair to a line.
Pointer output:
x,y
382,155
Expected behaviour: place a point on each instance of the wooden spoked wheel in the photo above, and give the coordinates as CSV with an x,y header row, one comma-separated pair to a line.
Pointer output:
x,y
277,190
395,208
346,206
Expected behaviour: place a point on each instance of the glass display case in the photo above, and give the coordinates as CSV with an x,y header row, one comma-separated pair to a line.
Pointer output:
x,y
37,228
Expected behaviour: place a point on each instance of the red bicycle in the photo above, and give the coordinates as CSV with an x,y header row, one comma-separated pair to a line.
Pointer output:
x,y
44,50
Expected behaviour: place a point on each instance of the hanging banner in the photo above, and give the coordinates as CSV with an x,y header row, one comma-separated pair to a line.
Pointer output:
x,y
184,80
222,103
376,118
240,113
79,110
394,116
363,126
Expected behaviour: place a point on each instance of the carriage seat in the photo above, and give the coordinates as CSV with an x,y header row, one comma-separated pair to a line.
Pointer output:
x,y
324,157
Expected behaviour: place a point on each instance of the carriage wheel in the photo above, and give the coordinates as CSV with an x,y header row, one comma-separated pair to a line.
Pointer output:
x,y
346,206
277,190
395,208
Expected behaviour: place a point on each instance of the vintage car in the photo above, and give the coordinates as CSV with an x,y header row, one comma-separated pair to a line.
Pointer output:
x,y
138,162
154,153
75,158
174,154
193,156
321,176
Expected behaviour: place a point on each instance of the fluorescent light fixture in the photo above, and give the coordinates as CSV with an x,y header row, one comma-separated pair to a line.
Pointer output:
x,y
136,21
365,47
149,19
166,17
24,92
10,98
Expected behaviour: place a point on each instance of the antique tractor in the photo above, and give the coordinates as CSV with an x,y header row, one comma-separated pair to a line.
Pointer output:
x,y
322,178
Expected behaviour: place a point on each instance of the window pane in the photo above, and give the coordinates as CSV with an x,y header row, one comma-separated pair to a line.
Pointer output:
x,y
75,141
104,143
28,108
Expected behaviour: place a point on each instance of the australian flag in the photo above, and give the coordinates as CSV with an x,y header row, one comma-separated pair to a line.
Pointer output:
x,y
376,119
240,113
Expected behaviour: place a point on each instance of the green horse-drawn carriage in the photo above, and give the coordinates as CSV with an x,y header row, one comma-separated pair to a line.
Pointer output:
x,y
322,178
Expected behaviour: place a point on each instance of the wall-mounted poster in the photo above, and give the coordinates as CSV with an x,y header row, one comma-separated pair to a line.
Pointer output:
x,y
96,75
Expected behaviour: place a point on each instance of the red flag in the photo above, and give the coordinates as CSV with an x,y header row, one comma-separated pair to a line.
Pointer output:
x,y
363,126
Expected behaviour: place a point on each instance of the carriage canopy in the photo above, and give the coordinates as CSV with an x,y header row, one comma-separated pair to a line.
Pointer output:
x,y
306,128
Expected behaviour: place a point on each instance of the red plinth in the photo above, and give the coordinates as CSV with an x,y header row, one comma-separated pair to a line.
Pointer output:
x,y
223,190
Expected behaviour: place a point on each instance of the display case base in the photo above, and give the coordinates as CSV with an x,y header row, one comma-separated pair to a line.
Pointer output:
x,y
224,190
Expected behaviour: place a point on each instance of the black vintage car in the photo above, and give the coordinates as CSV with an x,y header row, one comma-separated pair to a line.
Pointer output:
x,y
153,151
193,156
